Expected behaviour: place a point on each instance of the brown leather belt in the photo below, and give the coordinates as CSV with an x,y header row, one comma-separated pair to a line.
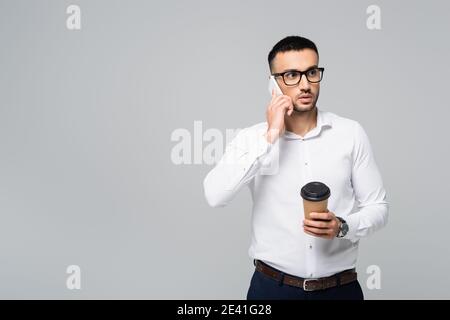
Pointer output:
x,y
340,278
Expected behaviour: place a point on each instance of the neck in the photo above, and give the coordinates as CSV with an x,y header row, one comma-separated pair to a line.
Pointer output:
x,y
302,122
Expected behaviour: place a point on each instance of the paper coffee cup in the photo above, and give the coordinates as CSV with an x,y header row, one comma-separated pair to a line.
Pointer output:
x,y
315,197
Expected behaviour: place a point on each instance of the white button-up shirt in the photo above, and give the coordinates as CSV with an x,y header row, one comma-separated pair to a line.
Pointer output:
x,y
336,152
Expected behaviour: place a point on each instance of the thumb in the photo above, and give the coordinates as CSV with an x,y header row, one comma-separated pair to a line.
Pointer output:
x,y
291,108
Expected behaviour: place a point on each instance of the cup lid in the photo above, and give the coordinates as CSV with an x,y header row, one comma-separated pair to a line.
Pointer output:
x,y
315,191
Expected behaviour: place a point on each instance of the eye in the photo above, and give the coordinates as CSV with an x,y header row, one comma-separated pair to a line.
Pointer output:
x,y
312,72
291,75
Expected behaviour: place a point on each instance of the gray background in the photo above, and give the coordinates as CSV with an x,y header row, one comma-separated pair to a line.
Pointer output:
x,y
86,117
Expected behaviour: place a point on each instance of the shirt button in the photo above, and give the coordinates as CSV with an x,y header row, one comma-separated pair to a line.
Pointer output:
x,y
310,246
311,275
306,163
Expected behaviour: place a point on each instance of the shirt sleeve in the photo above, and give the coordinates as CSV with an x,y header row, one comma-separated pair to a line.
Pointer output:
x,y
245,157
372,213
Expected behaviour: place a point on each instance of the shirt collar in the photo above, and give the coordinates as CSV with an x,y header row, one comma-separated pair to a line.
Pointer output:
x,y
323,120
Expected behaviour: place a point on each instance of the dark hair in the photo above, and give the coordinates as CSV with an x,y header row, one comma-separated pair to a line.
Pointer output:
x,y
289,43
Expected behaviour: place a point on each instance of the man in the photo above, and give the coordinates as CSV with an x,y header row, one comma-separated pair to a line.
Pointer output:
x,y
299,258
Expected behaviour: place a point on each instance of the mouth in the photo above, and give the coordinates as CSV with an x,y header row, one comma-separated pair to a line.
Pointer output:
x,y
305,99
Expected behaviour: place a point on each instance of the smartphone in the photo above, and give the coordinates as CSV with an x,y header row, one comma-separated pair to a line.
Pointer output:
x,y
273,84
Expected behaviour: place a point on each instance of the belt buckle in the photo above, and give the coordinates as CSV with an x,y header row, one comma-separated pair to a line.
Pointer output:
x,y
305,283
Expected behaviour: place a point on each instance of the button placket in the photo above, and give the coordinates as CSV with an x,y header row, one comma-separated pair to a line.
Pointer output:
x,y
306,161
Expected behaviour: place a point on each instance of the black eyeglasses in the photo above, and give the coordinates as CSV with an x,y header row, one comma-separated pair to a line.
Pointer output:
x,y
293,77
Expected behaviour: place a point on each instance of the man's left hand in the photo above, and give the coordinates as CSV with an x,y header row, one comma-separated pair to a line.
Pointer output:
x,y
322,224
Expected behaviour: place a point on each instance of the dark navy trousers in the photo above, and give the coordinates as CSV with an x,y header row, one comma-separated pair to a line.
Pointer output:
x,y
263,287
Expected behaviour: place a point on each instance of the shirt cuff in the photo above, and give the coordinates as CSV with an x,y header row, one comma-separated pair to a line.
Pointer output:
x,y
353,224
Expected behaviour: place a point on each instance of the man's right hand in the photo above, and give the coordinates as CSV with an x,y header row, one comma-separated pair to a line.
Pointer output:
x,y
277,108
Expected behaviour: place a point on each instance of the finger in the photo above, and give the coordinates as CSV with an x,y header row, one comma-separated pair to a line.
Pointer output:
x,y
317,230
283,104
273,107
277,99
288,100
311,234
273,95
317,224
319,235
283,97
316,235
320,215
291,109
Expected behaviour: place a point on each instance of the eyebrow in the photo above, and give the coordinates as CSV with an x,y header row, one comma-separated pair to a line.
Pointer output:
x,y
309,68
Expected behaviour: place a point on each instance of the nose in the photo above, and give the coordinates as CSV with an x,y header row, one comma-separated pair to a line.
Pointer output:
x,y
304,84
